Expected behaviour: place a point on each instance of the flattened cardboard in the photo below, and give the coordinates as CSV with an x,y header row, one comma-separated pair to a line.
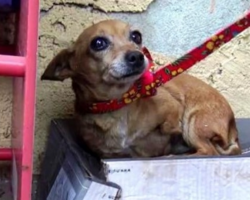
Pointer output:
x,y
81,173
70,172
203,178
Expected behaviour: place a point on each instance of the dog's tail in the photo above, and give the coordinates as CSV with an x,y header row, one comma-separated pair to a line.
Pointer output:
x,y
228,144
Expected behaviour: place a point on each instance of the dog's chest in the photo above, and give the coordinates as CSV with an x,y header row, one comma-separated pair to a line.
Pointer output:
x,y
121,129
119,135
118,132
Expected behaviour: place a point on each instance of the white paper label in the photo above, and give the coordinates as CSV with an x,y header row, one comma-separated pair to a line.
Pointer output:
x,y
184,179
99,191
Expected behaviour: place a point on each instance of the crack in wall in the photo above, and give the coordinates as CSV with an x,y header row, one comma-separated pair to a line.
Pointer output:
x,y
90,7
128,6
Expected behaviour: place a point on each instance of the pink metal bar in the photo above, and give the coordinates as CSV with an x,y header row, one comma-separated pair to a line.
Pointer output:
x,y
5,154
12,65
24,91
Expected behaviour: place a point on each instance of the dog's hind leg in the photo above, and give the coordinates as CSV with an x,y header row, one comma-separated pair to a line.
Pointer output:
x,y
218,138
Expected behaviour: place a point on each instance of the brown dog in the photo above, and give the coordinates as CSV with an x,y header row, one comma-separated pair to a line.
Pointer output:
x,y
104,63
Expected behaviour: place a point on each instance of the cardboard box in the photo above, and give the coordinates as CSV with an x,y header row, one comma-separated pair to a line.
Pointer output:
x,y
70,172
76,174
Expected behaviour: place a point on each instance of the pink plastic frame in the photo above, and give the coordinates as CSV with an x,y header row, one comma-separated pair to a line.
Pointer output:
x,y
22,67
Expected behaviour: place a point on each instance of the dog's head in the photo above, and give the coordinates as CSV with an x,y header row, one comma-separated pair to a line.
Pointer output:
x,y
106,54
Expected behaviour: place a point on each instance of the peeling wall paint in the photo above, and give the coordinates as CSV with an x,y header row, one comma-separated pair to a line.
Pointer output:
x,y
103,5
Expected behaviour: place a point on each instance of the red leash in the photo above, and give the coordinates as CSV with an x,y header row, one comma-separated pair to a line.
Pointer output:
x,y
146,86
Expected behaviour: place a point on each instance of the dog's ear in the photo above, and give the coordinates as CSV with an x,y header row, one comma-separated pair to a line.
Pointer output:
x,y
59,68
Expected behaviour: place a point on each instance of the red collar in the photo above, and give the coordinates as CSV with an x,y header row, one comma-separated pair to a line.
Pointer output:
x,y
147,85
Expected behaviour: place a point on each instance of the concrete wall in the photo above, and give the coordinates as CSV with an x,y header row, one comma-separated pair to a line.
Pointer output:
x,y
169,27
5,110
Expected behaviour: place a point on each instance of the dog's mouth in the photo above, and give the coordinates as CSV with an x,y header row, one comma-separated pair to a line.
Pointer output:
x,y
123,72
133,73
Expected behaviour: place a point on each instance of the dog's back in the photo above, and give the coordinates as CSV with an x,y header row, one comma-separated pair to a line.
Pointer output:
x,y
208,120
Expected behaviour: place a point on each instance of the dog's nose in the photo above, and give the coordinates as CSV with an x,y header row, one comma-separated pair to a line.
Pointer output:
x,y
134,58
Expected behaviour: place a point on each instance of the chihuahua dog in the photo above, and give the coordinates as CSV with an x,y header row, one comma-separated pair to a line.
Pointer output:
x,y
103,64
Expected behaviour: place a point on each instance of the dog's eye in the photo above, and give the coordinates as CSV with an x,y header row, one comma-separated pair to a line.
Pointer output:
x,y
136,37
99,44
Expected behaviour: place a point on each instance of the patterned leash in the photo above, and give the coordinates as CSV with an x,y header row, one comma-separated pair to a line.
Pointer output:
x,y
146,86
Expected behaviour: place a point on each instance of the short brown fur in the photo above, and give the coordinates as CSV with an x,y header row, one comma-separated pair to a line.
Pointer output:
x,y
185,105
